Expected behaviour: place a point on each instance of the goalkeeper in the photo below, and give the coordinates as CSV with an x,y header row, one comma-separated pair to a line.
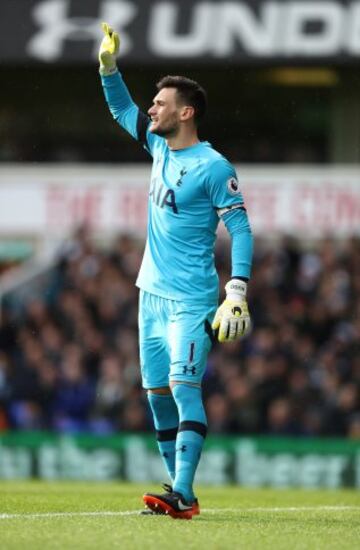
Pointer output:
x,y
192,187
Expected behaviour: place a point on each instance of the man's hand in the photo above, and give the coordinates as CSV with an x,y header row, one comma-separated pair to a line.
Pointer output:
x,y
232,317
109,49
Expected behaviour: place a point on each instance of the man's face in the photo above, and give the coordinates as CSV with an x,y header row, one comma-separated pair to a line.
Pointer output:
x,y
165,113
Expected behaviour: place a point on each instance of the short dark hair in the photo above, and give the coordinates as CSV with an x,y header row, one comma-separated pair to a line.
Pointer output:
x,y
189,91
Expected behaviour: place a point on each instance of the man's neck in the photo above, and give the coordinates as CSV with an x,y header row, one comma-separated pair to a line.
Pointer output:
x,y
182,142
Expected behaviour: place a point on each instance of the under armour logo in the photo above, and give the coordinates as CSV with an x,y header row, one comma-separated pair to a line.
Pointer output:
x,y
182,174
189,370
165,455
56,27
182,449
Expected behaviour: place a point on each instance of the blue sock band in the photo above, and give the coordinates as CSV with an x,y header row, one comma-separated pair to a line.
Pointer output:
x,y
166,422
190,437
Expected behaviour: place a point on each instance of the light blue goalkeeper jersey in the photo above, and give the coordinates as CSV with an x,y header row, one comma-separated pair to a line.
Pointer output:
x,y
190,188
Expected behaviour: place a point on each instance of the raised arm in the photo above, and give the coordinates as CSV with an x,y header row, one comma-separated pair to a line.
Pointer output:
x,y
122,107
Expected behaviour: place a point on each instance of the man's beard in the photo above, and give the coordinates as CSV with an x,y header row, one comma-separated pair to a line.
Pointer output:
x,y
166,131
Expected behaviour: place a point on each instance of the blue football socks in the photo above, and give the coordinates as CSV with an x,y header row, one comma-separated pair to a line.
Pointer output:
x,y
166,421
190,437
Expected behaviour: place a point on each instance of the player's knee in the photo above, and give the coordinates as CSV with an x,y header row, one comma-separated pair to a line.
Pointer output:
x,y
185,393
188,399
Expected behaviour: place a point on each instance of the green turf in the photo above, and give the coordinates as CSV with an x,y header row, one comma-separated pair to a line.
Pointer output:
x,y
232,518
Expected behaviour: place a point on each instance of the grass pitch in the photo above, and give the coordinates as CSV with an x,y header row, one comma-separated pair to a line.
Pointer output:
x,y
72,515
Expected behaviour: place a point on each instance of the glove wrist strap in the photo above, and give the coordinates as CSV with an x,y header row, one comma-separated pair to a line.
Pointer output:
x,y
107,71
236,289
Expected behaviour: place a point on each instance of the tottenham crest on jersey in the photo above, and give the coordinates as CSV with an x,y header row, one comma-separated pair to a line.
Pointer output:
x,y
233,186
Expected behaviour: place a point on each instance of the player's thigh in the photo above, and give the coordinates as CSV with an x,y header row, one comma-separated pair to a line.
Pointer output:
x,y
153,346
190,339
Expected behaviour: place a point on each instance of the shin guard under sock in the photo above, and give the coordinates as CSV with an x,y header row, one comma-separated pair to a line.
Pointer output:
x,y
166,422
190,437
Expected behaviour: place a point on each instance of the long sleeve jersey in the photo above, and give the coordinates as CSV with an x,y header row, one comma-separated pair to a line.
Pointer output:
x,y
190,190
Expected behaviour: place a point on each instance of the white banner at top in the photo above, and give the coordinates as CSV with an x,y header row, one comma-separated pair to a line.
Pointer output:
x,y
50,200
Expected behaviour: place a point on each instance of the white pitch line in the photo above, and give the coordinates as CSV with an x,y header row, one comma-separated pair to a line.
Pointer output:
x,y
47,515
67,514
287,509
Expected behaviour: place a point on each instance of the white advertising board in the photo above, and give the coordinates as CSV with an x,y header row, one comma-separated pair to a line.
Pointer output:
x,y
50,200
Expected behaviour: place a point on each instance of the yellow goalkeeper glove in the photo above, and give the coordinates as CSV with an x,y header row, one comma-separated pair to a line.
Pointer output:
x,y
109,49
232,317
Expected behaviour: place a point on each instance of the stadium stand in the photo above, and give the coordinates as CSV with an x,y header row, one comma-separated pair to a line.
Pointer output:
x,y
69,356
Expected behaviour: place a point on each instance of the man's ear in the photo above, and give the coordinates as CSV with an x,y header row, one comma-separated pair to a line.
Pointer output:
x,y
187,112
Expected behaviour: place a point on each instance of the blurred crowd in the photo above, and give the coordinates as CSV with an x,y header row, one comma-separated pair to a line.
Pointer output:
x,y
69,360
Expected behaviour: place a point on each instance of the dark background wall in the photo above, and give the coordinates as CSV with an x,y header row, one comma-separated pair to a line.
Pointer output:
x,y
59,113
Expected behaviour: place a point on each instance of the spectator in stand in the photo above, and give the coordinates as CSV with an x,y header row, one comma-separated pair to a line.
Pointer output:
x,y
110,394
75,394
70,362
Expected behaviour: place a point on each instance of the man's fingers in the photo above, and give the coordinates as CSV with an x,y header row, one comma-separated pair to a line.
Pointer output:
x,y
108,50
106,28
244,327
232,329
216,322
232,321
224,330
222,333
233,325
116,39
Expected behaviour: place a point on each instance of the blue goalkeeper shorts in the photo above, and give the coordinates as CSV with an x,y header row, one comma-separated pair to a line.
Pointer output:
x,y
174,338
